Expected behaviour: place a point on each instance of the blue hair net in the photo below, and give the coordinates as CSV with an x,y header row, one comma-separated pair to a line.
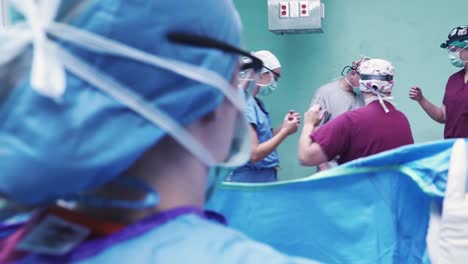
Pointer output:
x,y
50,150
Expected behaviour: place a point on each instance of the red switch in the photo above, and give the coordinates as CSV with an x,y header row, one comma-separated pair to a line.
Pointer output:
x,y
284,9
304,5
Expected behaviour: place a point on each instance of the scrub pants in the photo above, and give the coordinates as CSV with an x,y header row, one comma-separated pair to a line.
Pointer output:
x,y
253,175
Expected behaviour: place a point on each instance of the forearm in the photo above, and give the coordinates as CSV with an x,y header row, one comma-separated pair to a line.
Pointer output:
x,y
264,149
305,143
435,112
277,130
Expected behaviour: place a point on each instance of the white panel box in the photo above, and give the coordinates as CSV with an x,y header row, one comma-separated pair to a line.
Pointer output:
x,y
283,9
308,18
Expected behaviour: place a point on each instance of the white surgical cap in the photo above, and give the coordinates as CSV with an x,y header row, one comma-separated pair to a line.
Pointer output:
x,y
269,59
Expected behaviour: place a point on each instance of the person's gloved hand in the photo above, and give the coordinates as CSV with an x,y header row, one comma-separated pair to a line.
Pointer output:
x,y
453,227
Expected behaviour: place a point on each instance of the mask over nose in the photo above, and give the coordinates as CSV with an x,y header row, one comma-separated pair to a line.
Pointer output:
x,y
455,59
269,89
356,89
77,124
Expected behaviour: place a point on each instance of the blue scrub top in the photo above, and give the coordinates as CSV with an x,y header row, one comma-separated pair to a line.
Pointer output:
x,y
258,116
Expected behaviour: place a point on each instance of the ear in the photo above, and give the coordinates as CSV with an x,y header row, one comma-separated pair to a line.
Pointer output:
x,y
351,75
354,73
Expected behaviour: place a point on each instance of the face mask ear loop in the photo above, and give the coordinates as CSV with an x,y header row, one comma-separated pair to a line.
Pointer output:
x,y
348,81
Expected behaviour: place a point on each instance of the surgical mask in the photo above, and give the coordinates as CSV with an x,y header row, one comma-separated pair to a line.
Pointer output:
x,y
455,59
48,79
239,155
348,82
267,90
356,89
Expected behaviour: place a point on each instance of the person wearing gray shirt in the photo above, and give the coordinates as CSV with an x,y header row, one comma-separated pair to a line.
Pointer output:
x,y
338,97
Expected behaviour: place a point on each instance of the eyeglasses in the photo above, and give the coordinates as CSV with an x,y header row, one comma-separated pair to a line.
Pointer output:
x,y
354,66
347,69
271,77
250,66
276,75
267,77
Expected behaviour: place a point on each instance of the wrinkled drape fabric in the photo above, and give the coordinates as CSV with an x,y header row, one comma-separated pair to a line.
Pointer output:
x,y
372,210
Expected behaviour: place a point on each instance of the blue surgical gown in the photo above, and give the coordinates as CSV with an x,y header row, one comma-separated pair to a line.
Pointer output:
x,y
183,238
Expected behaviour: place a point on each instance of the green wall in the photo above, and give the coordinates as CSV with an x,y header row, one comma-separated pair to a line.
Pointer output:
x,y
406,32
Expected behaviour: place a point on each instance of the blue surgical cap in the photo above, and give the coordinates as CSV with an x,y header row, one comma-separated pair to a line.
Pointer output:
x,y
50,150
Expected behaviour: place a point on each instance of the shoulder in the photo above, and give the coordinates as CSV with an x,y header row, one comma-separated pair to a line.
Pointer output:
x,y
351,116
347,117
251,110
401,115
349,120
340,124
459,74
328,88
185,239
205,241
251,103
